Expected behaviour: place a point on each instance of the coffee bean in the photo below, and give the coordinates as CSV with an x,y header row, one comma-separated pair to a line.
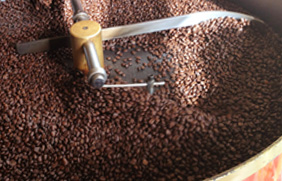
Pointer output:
x,y
145,162
219,75
65,161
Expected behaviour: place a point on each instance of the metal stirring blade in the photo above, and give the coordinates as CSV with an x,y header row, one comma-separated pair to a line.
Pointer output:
x,y
97,76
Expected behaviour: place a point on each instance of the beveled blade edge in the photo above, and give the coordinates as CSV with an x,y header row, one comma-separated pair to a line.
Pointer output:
x,y
169,23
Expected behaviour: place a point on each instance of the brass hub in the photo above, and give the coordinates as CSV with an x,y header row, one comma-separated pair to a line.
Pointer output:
x,y
82,32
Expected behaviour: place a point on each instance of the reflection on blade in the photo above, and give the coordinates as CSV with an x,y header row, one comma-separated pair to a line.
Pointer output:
x,y
169,23
134,29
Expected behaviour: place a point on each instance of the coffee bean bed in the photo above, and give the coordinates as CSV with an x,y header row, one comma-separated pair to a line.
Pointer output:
x,y
220,106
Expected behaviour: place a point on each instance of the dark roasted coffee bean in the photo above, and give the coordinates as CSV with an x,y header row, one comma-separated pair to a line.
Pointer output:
x,y
220,106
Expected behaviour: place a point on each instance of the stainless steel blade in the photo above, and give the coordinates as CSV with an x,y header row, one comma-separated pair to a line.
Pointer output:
x,y
43,45
134,29
169,23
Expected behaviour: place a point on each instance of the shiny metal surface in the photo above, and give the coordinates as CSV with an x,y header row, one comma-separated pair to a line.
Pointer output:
x,y
132,85
169,23
78,14
80,17
76,6
43,45
82,32
151,83
97,76
137,29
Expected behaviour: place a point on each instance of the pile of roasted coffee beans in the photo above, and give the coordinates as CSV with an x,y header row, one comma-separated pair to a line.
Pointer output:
x,y
222,102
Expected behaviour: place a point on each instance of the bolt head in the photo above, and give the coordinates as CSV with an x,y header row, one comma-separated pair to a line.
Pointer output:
x,y
97,81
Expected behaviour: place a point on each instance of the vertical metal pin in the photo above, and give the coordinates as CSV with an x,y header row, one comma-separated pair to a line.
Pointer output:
x,y
150,86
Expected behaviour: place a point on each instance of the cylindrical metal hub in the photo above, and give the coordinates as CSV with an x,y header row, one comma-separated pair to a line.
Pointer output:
x,y
82,32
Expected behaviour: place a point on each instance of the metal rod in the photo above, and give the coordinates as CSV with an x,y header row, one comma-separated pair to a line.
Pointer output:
x,y
76,6
91,55
78,13
97,76
132,85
